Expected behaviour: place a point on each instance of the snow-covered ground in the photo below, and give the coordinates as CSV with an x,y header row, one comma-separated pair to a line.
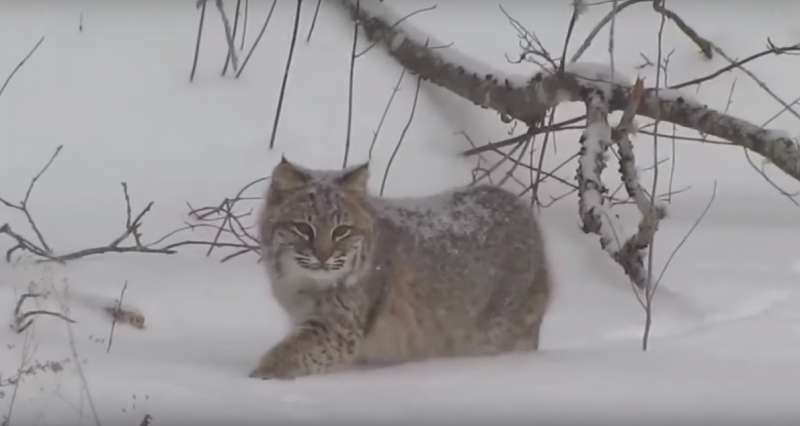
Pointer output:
x,y
726,333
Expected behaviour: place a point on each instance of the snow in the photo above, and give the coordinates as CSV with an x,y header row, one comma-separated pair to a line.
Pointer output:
x,y
449,53
597,139
434,216
597,75
774,135
116,95
677,94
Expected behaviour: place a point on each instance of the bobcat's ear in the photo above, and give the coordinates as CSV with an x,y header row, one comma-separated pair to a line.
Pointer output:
x,y
355,178
286,176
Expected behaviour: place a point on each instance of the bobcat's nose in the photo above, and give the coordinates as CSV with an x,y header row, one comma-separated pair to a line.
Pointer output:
x,y
323,252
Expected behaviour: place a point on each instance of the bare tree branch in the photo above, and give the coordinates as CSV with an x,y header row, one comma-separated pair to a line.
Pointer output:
x,y
704,45
24,320
19,65
282,93
206,218
402,135
201,4
528,100
772,50
115,315
632,253
233,36
229,38
564,125
23,207
524,99
595,141
258,37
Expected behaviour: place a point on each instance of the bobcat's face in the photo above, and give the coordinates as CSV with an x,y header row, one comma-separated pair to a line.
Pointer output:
x,y
318,225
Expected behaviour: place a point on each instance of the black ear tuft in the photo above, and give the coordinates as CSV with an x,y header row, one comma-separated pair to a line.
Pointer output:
x,y
355,178
287,176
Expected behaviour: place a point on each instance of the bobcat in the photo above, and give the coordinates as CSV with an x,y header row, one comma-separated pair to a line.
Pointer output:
x,y
371,281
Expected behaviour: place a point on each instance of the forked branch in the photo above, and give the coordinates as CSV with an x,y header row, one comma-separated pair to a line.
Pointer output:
x,y
528,99
130,238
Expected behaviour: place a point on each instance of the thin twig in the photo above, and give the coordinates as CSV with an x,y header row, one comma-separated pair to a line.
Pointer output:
x,y
234,60
22,321
395,89
19,65
688,234
704,45
530,45
23,205
350,88
402,134
506,157
563,125
202,5
650,288
114,317
538,179
737,64
509,174
231,225
572,20
258,37
399,21
233,37
603,22
611,35
758,81
75,356
244,22
286,75
313,21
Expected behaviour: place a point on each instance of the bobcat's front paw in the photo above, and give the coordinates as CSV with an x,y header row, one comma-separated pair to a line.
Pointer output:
x,y
270,374
273,368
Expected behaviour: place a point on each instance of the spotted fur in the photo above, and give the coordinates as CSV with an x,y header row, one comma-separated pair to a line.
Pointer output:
x,y
379,281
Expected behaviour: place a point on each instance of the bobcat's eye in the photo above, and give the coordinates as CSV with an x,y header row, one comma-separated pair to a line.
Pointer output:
x,y
340,232
304,229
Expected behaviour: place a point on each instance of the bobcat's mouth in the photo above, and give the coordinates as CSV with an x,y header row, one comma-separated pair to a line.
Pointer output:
x,y
332,265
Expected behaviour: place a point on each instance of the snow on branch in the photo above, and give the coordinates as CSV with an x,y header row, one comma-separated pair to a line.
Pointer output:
x,y
631,256
523,98
595,141
528,99
775,145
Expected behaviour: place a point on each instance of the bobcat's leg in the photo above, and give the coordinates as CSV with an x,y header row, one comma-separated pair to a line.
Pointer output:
x,y
316,347
530,339
532,314
529,328
512,321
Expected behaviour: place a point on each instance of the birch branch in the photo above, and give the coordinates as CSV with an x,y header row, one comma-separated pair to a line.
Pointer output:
x,y
631,256
527,99
595,142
